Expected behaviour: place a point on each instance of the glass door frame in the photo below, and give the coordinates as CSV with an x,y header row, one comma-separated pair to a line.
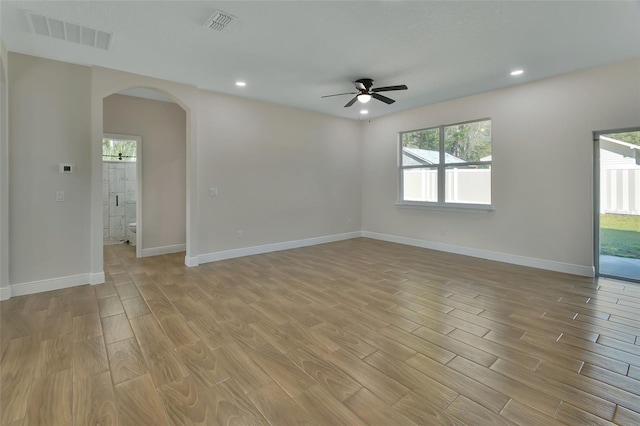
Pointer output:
x,y
596,200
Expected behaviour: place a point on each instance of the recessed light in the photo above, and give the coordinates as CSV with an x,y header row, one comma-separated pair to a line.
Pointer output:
x,y
517,72
364,111
240,83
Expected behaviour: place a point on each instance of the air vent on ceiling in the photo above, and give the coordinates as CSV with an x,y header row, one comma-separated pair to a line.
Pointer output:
x,y
50,27
219,20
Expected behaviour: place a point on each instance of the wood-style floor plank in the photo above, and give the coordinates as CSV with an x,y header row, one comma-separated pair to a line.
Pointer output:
x,y
379,383
89,358
202,364
187,403
373,410
15,388
50,400
94,402
567,393
522,414
431,390
139,403
422,412
278,408
325,409
472,413
125,360
352,332
517,391
339,384
472,387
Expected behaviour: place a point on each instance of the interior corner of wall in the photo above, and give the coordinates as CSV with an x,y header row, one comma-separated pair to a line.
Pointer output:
x,y
5,293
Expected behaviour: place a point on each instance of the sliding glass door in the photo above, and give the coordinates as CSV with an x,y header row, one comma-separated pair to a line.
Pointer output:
x,y
617,210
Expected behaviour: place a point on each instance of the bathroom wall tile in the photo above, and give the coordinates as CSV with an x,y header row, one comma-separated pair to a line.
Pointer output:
x,y
105,215
105,233
119,209
105,192
116,226
130,172
105,180
116,179
131,188
130,212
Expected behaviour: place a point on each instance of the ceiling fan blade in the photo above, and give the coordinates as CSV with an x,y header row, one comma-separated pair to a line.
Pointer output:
x,y
351,102
381,98
340,94
390,88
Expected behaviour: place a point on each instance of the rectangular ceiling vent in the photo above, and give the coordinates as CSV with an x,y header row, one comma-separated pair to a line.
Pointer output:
x,y
61,30
219,20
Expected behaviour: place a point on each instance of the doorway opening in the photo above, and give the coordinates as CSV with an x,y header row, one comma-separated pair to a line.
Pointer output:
x,y
121,190
617,204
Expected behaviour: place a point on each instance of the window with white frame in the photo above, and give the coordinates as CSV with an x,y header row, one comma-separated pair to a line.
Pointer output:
x,y
448,165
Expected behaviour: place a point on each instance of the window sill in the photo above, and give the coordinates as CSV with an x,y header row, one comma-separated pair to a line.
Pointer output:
x,y
471,208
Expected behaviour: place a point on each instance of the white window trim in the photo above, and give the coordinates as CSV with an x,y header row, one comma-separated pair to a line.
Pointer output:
x,y
441,168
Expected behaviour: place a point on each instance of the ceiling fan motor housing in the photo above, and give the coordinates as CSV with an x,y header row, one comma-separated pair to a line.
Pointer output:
x,y
366,82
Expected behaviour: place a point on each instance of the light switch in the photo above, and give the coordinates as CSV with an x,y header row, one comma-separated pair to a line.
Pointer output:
x,y
60,196
213,192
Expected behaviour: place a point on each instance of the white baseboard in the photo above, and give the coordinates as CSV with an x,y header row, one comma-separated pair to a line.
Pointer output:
x,y
51,284
157,251
267,248
5,293
191,261
98,278
568,268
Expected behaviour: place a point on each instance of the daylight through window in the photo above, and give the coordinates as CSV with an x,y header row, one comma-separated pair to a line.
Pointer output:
x,y
118,150
447,165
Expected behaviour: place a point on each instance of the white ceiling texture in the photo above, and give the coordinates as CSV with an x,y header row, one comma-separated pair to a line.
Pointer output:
x,y
294,52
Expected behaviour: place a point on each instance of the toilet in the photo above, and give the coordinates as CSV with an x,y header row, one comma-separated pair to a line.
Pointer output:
x,y
132,228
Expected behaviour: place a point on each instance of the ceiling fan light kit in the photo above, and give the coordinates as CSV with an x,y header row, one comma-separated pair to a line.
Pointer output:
x,y
366,92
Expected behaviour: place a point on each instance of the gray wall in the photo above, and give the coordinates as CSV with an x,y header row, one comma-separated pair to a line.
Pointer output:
x,y
4,173
50,123
542,165
283,174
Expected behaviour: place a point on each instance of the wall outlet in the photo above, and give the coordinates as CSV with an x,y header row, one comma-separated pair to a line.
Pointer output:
x,y
213,192
60,196
239,234
349,220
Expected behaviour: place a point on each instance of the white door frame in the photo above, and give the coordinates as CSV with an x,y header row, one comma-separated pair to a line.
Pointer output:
x,y
138,162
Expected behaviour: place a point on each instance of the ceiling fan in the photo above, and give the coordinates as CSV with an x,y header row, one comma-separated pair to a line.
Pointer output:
x,y
365,92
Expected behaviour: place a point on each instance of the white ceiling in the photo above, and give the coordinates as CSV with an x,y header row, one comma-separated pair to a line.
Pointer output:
x,y
293,52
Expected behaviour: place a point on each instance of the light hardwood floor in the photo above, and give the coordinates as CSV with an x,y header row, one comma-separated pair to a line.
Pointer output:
x,y
348,333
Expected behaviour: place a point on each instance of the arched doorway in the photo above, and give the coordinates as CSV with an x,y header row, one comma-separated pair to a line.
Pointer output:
x,y
144,190
107,82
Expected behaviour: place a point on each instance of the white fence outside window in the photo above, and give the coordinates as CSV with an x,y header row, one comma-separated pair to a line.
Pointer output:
x,y
620,190
471,186
619,187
